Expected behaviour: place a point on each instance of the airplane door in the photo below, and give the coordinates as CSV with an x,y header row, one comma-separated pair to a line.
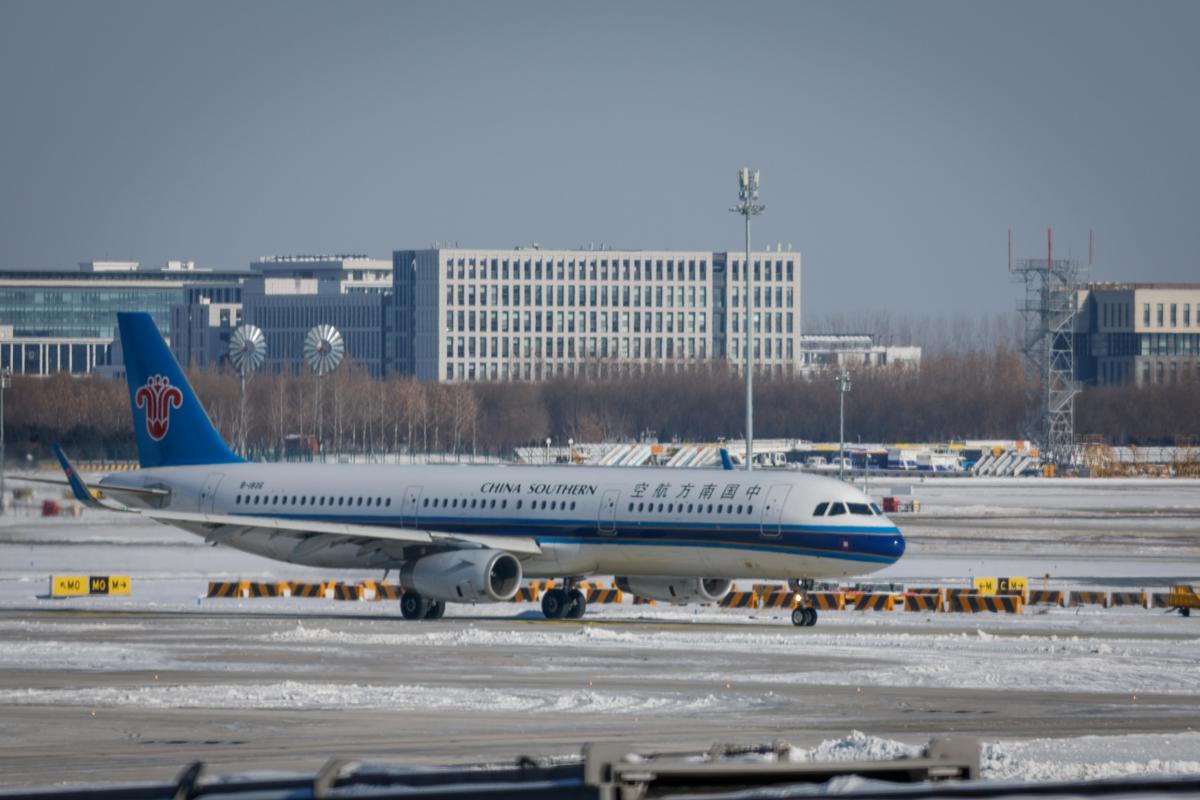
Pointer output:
x,y
772,513
410,514
208,492
607,521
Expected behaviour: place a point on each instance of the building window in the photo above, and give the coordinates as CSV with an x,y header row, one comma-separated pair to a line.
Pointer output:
x,y
1173,317
1159,314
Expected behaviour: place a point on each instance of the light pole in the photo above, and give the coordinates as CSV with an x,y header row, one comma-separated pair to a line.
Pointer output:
x,y
570,450
843,384
548,449
5,382
748,206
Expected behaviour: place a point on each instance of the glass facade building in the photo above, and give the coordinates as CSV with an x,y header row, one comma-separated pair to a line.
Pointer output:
x,y
66,321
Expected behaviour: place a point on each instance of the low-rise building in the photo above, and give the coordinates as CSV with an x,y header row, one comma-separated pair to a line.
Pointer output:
x,y
1140,333
65,320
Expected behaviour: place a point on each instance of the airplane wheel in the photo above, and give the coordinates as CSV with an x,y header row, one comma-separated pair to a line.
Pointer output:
x,y
437,609
803,617
577,604
413,606
554,604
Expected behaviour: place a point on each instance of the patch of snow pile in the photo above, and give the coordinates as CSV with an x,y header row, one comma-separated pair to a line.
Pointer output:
x,y
857,746
1084,758
1088,758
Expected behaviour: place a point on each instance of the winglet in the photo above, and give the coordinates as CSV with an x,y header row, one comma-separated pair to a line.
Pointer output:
x,y
78,487
726,461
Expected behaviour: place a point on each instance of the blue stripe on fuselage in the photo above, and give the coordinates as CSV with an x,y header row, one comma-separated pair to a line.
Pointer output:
x,y
875,545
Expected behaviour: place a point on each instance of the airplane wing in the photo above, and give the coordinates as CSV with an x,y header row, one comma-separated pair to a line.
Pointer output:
x,y
225,525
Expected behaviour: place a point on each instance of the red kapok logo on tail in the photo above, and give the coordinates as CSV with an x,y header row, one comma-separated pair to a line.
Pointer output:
x,y
158,397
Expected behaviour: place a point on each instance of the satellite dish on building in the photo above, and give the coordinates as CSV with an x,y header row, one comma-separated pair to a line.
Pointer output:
x,y
324,349
247,349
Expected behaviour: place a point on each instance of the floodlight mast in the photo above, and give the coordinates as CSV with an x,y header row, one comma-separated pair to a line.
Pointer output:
x,y
748,206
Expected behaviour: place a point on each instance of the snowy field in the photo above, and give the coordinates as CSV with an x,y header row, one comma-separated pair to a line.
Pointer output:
x,y
117,688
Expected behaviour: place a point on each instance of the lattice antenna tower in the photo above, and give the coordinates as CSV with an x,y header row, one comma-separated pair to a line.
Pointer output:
x,y
1049,311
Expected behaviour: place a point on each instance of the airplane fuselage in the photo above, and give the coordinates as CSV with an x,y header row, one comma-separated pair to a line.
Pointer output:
x,y
586,520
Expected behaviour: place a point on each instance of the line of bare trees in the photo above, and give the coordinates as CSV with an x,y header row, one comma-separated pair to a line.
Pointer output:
x,y
976,394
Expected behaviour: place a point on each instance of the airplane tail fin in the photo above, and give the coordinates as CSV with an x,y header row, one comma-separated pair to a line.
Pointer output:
x,y
171,426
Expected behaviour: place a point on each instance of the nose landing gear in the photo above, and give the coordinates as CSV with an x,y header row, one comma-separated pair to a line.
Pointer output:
x,y
803,615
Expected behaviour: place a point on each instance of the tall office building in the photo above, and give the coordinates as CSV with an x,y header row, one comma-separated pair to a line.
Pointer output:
x,y
530,314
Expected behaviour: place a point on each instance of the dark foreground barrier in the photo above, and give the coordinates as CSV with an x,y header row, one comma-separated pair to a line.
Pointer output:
x,y
948,768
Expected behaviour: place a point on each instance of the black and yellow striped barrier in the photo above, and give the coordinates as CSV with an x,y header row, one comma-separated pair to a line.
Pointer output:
x,y
827,601
1047,597
526,594
224,589
308,590
377,590
1088,599
84,585
958,592
740,600
777,597
974,603
1129,599
874,601
541,585
926,590
923,602
645,601
1160,600
341,591
603,596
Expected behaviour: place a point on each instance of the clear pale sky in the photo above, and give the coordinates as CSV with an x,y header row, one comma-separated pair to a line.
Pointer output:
x,y
898,142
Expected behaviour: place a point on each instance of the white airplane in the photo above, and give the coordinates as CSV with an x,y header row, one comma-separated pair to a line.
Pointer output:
x,y
470,534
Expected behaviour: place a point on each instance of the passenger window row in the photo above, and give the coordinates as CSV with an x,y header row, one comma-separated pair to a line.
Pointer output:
x,y
838,509
309,500
691,508
454,502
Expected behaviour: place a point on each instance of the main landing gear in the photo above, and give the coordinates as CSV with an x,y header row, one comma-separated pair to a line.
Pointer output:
x,y
565,603
803,615
413,606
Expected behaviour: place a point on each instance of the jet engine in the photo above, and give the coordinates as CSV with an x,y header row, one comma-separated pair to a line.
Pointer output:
x,y
675,590
464,576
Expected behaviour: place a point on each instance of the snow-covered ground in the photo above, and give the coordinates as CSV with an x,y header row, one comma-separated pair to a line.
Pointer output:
x,y
645,671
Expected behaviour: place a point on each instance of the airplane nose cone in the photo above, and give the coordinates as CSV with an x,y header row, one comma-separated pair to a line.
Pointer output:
x,y
897,545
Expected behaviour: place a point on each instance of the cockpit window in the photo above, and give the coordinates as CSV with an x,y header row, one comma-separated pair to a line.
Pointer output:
x,y
837,508
819,511
861,509
877,510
